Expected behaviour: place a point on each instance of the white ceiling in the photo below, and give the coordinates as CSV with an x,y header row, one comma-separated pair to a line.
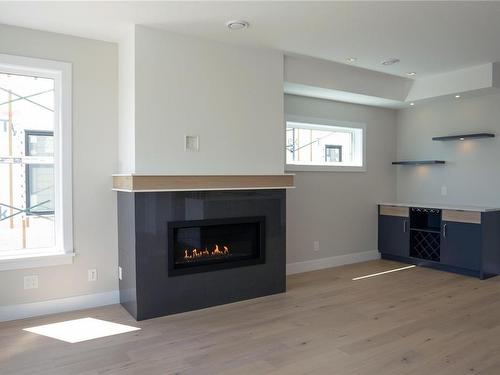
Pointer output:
x,y
428,37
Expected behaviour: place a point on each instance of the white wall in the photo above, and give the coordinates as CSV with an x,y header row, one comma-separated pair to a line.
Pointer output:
x,y
339,208
126,101
95,111
471,174
231,97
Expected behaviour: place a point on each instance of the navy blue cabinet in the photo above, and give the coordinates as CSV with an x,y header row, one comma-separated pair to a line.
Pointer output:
x,y
461,245
461,241
394,232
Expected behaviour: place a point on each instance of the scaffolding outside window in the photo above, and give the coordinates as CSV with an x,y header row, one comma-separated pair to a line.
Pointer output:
x,y
26,105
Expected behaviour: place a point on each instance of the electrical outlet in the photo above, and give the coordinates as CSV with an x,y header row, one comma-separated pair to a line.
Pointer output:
x,y
92,274
31,282
444,190
120,273
191,143
316,245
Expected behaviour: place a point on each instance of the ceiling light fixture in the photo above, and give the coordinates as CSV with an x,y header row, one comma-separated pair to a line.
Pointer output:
x,y
237,25
412,103
390,61
411,74
462,138
352,59
457,96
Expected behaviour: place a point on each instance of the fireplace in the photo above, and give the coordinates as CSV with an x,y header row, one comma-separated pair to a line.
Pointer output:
x,y
159,232
213,244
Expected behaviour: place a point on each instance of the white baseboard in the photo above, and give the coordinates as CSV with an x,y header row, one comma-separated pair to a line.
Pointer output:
x,y
28,310
335,261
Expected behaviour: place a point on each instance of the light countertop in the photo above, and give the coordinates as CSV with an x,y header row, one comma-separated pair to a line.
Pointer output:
x,y
442,206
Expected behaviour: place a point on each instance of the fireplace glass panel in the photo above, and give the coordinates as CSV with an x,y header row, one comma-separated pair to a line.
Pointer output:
x,y
204,245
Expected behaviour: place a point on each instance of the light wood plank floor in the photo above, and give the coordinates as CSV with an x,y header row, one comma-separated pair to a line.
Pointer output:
x,y
416,321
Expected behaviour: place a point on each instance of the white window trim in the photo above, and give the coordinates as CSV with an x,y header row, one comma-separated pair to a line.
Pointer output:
x,y
63,251
323,123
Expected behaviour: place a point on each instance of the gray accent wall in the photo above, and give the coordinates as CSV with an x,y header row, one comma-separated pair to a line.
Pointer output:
x,y
471,173
338,209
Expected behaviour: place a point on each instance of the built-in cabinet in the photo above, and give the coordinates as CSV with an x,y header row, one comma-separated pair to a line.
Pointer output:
x,y
461,245
460,241
394,234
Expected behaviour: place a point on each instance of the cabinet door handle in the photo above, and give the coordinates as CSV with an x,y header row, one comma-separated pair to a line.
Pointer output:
x,y
444,230
404,226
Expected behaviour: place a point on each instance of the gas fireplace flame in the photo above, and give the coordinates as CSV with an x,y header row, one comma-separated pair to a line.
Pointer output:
x,y
204,253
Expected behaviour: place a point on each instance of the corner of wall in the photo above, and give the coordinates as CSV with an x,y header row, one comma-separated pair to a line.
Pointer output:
x,y
126,106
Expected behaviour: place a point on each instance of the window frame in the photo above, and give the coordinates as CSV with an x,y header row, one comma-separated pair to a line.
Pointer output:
x,y
62,252
325,124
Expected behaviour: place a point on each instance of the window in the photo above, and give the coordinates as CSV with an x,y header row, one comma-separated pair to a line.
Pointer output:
x,y
35,162
317,144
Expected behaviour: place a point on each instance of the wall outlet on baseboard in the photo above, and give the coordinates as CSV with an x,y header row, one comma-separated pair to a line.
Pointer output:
x,y
31,282
92,274
120,273
316,245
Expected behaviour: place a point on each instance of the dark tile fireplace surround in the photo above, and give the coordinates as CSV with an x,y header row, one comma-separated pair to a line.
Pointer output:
x,y
186,250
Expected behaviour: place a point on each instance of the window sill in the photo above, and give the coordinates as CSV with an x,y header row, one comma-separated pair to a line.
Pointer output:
x,y
35,260
324,168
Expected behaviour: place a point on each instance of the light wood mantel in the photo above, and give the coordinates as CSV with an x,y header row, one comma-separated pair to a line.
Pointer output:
x,y
149,183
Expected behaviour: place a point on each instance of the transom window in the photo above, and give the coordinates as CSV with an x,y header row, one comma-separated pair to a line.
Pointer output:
x,y
35,158
325,146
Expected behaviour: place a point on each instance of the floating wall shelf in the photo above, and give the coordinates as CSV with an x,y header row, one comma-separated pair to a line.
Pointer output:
x,y
419,162
462,137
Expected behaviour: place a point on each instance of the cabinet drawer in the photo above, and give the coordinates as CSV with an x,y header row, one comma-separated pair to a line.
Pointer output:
x,y
471,217
394,211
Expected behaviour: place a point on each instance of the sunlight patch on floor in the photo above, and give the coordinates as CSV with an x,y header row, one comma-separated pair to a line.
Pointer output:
x,y
383,273
79,330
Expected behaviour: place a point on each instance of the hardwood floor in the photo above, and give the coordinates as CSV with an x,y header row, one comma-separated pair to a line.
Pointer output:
x,y
415,321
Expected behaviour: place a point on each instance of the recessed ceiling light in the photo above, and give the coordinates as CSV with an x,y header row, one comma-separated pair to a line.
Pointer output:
x,y
237,25
390,61
412,103
352,59
457,96
462,139
411,74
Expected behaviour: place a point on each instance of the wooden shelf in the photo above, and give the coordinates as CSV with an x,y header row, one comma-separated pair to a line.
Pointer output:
x,y
463,137
418,162
146,183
